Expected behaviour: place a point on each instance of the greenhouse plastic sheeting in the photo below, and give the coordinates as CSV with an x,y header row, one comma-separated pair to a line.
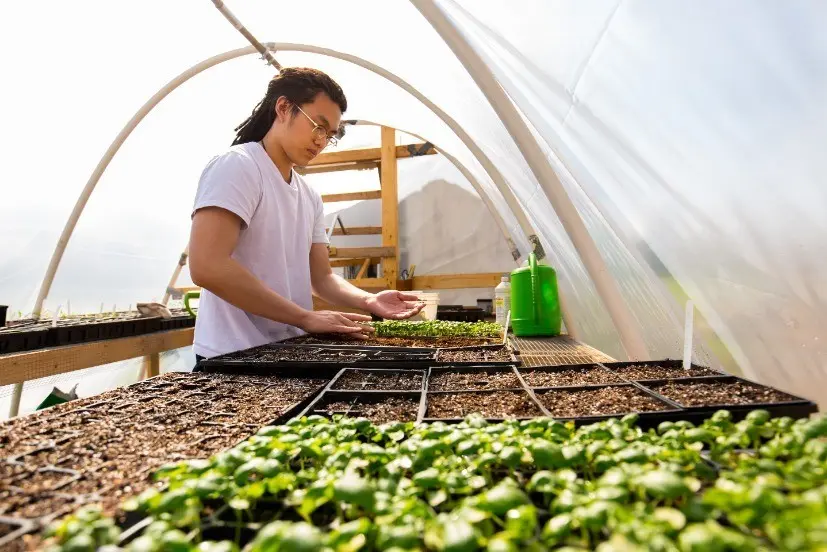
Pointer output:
x,y
690,137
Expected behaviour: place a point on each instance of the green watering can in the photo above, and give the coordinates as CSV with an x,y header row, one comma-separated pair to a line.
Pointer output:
x,y
190,295
535,301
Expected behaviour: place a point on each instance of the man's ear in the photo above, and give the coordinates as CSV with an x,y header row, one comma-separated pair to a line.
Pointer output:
x,y
282,108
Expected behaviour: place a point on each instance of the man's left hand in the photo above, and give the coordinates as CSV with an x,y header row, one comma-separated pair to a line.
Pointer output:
x,y
394,305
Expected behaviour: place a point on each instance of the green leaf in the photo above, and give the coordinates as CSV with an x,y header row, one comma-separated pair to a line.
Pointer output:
x,y
663,484
700,538
458,536
238,503
547,454
673,518
522,521
502,542
355,490
427,479
557,529
503,497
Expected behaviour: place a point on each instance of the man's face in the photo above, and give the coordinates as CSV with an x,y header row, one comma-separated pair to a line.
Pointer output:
x,y
307,132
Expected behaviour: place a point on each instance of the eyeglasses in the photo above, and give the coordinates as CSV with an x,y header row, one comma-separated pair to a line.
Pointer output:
x,y
319,132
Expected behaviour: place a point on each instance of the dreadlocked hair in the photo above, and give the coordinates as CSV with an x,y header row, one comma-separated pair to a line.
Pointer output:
x,y
300,85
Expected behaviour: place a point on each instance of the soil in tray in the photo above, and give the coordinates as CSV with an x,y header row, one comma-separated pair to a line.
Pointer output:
x,y
293,355
483,380
426,342
491,405
569,376
127,433
379,411
720,393
599,402
501,354
643,372
379,381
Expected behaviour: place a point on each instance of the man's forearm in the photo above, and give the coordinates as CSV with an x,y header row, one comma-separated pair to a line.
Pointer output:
x,y
235,284
336,290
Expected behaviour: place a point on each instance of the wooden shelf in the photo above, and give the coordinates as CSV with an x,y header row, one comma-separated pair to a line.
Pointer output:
x,y
374,155
361,252
20,367
358,231
352,196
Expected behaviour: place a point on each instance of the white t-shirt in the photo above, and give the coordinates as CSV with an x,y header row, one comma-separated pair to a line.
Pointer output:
x,y
281,222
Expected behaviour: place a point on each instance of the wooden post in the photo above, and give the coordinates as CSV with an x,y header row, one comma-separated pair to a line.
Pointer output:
x,y
152,365
390,205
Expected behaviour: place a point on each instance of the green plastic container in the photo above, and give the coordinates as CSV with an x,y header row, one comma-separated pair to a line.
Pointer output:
x,y
535,302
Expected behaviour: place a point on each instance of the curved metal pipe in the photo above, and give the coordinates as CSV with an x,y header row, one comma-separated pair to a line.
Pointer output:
x,y
83,199
493,172
607,288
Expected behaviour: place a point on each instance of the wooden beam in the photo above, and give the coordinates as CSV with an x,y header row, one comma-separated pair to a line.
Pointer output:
x,y
361,273
361,252
390,205
336,167
352,196
20,367
371,154
456,281
335,263
152,366
357,231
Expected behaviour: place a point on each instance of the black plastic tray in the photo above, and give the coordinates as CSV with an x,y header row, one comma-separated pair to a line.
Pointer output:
x,y
351,358
473,370
515,359
523,370
528,393
646,419
24,339
796,407
458,313
357,345
361,397
666,363
368,372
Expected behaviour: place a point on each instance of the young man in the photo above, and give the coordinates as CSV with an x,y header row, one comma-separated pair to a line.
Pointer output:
x,y
258,246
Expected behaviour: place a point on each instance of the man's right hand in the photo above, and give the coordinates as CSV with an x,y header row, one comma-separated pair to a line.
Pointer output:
x,y
336,322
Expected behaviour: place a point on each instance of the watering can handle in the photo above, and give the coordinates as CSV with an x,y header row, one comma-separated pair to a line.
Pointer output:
x,y
532,263
187,296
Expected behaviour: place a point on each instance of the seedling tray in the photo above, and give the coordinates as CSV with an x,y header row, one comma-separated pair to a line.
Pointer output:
x,y
49,464
670,411
473,379
441,361
275,356
483,404
674,366
566,376
458,313
368,404
17,339
378,380
790,405
431,343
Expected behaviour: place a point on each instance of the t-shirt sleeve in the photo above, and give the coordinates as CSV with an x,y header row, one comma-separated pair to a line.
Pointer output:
x,y
231,181
319,234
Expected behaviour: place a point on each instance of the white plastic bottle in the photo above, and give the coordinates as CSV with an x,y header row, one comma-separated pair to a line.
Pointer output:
x,y
502,300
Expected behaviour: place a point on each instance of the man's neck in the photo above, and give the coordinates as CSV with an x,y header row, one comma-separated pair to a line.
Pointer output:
x,y
279,158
